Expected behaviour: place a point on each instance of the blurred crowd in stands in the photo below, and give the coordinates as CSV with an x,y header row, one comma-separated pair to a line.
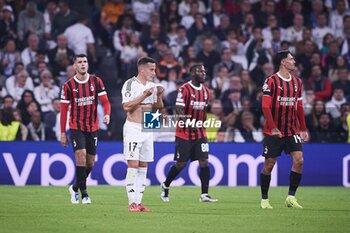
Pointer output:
x,y
234,39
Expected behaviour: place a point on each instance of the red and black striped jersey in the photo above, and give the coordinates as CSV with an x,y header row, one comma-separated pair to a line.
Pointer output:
x,y
82,96
285,95
194,100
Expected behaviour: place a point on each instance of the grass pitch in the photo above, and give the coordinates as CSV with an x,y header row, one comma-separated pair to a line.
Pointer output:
x,y
48,209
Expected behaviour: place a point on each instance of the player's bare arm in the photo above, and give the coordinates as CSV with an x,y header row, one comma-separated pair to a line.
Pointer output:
x,y
134,104
134,108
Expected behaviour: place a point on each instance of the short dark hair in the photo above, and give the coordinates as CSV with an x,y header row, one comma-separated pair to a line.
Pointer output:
x,y
78,56
225,48
82,17
8,97
40,52
145,60
56,99
19,64
194,67
7,116
280,56
181,27
346,17
65,2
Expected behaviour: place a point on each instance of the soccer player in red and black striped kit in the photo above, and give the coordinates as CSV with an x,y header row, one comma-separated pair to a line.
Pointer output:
x,y
81,93
285,127
191,142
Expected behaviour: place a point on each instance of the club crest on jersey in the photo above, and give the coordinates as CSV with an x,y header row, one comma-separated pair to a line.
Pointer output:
x,y
205,95
295,88
92,88
266,87
127,94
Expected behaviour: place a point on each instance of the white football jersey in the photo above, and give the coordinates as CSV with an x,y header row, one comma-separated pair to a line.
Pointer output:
x,y
133,88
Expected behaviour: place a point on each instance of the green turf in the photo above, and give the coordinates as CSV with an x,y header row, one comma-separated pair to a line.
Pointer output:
x,y
48,209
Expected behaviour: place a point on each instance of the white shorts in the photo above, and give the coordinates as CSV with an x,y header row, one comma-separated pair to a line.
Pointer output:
x,y
138,145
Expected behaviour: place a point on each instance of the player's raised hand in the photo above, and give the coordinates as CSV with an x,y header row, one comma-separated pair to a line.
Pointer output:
x,y
160,91
64,140
149,91
106,119
276,133
304,136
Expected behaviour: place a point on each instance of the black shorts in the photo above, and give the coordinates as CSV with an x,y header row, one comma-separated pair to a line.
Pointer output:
x,y
193,150
274,146
84,140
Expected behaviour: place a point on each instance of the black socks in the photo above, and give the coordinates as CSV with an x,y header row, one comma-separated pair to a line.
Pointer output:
x,y
294,181
265,185
204,174
171,175
80,181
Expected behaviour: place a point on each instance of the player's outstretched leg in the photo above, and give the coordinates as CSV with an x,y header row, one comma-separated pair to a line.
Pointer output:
x,y
172,174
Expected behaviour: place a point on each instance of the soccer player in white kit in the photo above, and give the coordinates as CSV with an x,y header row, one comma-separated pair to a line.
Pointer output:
x,y
139,94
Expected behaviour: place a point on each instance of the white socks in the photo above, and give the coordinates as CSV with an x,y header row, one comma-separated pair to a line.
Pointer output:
x,y
135,184
140,184
130,180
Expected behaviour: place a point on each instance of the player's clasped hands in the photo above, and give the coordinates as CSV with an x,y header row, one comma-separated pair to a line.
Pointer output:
x,y
160,90
149,91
